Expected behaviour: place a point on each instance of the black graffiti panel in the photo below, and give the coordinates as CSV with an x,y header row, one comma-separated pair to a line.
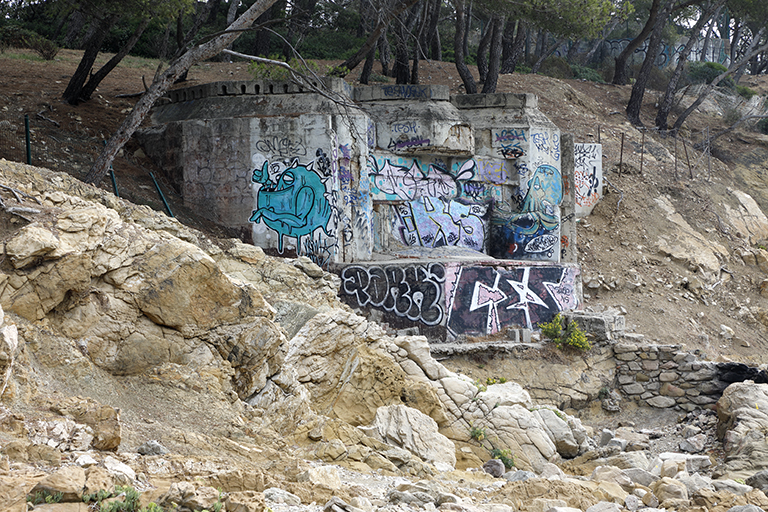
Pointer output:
x,y
487,299
410,291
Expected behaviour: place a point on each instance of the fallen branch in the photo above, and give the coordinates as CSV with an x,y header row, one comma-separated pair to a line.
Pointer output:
x,y
41,116
18,194
130,95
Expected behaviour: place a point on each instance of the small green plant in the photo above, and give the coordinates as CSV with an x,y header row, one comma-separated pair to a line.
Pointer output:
x,y
603,393
44,496
745,92
476,433
481,388
572,336
504,456
129,503
586,73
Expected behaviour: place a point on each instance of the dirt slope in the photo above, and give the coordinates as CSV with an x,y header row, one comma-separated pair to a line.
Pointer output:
x,y
617,243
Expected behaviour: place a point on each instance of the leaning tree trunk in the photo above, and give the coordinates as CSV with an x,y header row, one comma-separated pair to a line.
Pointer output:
x,y
458,50
620,73
92,46
752,51
665,105
546,53
494,61
164,81
654,44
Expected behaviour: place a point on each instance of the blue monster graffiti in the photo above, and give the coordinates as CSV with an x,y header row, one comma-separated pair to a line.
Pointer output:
x,y
295,205
531,232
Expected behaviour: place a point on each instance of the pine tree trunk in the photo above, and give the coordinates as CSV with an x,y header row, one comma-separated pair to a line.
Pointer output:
x,y
365,75
654,44
458,49
401,68
509,63
620,73
96,78
482,50
433,35
385,54
92,46
352,62
665,105
494,61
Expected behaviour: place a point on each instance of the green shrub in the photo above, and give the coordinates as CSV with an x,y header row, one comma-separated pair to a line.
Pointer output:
x,y
504,456
658,78
522,69
762,126
731,115
586,73
572,336
556,67
705,72
745,92
46,48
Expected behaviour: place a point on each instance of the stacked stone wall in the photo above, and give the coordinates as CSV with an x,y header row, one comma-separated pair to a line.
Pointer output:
x,y
664,376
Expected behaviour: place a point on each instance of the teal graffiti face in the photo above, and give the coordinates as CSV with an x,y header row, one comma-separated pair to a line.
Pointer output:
x,y
545,190
294,206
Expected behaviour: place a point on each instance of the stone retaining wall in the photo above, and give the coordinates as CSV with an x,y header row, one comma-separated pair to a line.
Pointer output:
x,y
665,376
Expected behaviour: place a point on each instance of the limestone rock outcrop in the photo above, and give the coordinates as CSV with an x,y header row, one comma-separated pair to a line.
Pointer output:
x,y
742,414
408,428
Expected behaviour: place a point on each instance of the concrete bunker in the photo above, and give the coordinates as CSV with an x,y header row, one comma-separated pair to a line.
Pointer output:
x,y
452,215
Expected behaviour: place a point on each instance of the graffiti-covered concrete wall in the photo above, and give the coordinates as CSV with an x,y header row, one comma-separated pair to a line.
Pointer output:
x,y
588,177
449,299
388,173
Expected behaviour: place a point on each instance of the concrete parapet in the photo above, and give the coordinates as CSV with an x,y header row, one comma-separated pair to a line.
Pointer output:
x,y
258,87
402,92
496,100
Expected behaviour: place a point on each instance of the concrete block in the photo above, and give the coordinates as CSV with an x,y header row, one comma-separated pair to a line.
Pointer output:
x,y
469,100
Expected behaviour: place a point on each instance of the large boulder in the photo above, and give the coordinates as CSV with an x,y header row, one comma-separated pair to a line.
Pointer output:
x,y
742,414
416,432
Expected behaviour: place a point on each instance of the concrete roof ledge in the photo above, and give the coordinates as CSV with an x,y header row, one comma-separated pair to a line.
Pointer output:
x,y
402,92
496,100
257,87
